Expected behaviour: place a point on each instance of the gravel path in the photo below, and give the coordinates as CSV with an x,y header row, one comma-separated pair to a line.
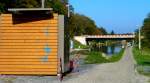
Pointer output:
x,y
119,72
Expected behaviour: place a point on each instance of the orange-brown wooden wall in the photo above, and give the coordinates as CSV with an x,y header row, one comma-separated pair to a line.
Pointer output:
x,y
30,47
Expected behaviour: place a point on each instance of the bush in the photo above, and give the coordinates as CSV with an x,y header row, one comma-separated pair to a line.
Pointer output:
x,y
95,57
78,44
141,57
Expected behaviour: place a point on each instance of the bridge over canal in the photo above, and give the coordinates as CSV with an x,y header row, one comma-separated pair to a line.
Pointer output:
x,y
85,39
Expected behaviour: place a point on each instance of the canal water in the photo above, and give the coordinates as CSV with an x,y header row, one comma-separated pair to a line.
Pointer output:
x,y
108,50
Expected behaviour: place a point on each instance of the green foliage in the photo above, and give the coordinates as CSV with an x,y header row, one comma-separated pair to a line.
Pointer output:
x,y
77,24
112,32
116,57
144,70
142,57
5,4
146,31
1,8
57,5
96,57
27,3
83,25
78,44
102,31
81,52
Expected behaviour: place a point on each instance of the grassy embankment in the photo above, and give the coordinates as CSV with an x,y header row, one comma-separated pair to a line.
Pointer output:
x,y
96,57
143,60
78,45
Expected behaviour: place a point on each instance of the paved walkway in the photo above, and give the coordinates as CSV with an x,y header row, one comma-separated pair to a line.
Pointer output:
x,y
119,72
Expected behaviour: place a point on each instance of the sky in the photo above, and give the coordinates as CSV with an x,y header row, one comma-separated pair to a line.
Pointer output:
x,y
122,16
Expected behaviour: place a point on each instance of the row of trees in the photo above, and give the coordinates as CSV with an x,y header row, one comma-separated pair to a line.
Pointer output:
x,y
58,6
78,24
83,25
146,31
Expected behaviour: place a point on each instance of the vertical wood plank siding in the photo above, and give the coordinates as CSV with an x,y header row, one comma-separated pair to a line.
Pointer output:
x,y
29,47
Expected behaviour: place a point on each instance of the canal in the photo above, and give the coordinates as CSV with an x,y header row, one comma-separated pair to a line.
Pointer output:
x,y
107,49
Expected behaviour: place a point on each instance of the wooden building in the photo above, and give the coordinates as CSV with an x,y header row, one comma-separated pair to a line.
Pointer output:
x,y
32,42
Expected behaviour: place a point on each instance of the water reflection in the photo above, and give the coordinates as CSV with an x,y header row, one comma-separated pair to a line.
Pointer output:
x,y
112,50
109,50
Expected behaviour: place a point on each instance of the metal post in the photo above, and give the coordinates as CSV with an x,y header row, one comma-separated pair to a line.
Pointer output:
x,y
133,43
133,39
139,38
43,3
68,6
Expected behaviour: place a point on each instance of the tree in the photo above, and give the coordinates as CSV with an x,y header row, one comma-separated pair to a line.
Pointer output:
x,y
5,4
83,25
112,32
1,8
27,3
146,31
77,24
102,31
58,6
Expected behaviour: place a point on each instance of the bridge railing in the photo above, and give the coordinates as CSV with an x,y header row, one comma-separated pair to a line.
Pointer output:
x,y
110,36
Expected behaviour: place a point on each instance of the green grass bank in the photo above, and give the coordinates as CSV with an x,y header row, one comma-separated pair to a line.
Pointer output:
x,y
98,57
142,58
78,45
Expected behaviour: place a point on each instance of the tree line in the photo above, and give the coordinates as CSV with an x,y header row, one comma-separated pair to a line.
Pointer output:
x,y
57,5
83,25
145,30
78,24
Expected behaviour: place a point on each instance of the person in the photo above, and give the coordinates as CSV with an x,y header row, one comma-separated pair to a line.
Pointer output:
x,y
71,65
74,63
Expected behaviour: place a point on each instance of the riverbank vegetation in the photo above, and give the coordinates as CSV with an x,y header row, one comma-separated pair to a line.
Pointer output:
x,y
142,58
78,45
99,57
116,57
95,57
145,31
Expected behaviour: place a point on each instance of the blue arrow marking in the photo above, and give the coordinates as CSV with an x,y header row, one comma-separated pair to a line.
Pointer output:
x,y
47,49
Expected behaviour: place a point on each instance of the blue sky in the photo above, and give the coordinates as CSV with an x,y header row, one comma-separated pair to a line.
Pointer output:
x,y
122,16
